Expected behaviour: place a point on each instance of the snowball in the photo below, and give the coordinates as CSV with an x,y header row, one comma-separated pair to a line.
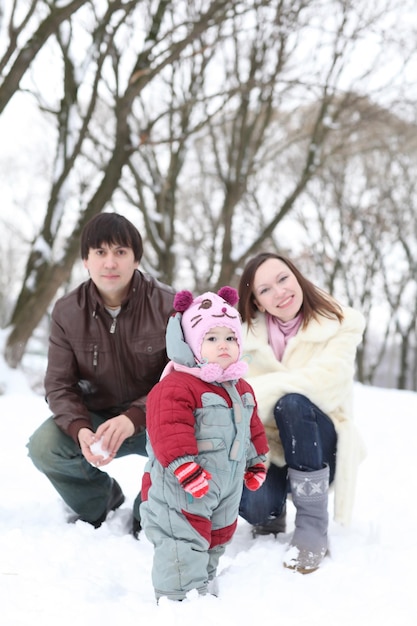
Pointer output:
x,y
96,448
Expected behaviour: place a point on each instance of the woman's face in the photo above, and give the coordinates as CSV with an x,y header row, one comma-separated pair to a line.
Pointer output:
x,y
277,290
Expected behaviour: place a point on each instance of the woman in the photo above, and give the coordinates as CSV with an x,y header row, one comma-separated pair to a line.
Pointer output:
x,y
301,345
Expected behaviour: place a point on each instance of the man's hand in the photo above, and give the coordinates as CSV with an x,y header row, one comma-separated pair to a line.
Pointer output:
x,y
111,434
86,438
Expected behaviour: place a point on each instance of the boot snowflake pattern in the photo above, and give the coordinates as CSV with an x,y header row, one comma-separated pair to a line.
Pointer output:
x,y
308,545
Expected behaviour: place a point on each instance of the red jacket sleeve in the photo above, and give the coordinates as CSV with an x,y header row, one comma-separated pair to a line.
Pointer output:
x,y
170,419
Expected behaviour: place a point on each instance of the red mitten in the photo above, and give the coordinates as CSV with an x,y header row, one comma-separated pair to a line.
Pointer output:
x,y
193,478
255,476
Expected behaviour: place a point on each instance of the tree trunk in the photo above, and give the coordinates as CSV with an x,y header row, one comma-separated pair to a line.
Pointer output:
x,y
48,27
43,278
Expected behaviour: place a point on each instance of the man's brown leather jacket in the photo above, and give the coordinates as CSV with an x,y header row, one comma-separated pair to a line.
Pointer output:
x,y
105,365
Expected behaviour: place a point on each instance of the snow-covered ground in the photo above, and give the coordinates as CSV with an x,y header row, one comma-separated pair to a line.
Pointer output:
x,y
52,572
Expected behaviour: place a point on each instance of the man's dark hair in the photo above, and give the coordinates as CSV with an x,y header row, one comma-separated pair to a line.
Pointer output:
x,y
113,230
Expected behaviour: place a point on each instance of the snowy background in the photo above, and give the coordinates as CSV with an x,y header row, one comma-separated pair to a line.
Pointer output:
x,y
52,572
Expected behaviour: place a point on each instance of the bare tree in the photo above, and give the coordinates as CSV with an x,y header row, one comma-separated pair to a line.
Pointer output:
x,y
214,121
278,131
360,225
44,274
17,59
400,287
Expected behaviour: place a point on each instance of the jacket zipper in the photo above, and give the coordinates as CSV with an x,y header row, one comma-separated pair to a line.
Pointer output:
x,y
116,348
95,356
95,347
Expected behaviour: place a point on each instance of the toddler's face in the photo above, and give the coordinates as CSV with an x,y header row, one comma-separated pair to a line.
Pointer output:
x,y
220,346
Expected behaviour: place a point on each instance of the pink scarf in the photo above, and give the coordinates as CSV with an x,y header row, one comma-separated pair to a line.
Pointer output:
x,y
209,372
279,332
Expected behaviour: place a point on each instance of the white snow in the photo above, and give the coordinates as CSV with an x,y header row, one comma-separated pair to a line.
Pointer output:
x,y
52,572
97,448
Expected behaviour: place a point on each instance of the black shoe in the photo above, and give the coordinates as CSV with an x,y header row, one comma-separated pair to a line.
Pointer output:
x,y
136,528
116,499
272,526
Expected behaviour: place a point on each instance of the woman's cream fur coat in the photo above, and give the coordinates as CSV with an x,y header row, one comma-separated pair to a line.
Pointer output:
x,y
318,362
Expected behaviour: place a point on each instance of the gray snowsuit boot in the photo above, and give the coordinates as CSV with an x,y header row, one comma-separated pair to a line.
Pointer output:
x,y
309,542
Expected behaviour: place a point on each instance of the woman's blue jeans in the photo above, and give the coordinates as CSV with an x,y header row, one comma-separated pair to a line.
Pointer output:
x,y
309,440
83,487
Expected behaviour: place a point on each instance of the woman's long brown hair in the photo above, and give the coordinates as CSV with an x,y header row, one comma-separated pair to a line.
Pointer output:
x,y
315,300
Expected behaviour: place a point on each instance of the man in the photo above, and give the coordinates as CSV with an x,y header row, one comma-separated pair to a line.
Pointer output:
x,y
106,351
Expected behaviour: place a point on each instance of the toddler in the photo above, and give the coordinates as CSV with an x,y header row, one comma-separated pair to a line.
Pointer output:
x,y
205,440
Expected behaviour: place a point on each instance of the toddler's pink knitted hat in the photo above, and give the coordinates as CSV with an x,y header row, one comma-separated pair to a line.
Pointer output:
x,y
204,312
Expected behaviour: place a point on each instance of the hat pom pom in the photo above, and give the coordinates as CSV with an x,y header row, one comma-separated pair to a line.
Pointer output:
x,y
210,372
183,300
229,294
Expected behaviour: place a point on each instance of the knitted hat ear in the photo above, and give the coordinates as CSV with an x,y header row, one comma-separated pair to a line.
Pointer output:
x,y
183,300
229,294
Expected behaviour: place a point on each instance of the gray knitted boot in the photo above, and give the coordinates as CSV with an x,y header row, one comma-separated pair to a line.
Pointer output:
x,y
309,542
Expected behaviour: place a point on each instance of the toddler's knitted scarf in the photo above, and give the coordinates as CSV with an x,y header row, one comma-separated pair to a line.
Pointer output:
x,y
209,372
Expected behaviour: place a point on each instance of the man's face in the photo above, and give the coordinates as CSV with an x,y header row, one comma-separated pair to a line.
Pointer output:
x,y
111,269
